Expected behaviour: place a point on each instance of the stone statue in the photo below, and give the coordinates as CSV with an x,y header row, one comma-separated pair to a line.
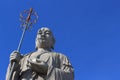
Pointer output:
x,y
43,64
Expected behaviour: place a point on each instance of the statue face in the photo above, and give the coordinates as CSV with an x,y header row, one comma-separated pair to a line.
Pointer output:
x,y
44,38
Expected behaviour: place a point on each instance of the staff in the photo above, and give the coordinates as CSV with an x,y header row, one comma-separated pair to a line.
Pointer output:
x,y
26,24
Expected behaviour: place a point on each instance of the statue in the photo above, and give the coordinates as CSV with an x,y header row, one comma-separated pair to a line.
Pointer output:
x,y
43,64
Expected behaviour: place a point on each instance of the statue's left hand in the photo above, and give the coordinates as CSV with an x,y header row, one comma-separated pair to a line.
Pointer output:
x,y
38,66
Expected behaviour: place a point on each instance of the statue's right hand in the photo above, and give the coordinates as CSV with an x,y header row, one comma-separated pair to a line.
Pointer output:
x,y
15,56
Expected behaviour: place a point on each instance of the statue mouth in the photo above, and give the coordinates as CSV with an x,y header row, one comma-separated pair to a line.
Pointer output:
x,y
42,38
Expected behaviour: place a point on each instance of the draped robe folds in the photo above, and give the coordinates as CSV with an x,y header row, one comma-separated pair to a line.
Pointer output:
x,y
59,68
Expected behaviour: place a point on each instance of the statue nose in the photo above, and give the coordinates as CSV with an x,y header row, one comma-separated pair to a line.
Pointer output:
x,y
43,35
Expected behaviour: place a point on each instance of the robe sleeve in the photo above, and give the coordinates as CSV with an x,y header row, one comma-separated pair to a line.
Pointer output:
x,y
8,71
64,72
15,75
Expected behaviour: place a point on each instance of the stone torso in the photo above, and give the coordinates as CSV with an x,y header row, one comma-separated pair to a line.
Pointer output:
x,y
50,58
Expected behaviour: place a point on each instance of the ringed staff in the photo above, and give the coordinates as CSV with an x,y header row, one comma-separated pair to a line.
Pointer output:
x,y
28,18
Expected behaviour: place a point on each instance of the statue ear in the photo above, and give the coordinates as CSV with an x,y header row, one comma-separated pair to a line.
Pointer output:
x,y
52,47
53,42
36,48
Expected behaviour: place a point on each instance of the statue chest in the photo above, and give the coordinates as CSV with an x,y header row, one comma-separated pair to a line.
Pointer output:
x,y
49,58
40,56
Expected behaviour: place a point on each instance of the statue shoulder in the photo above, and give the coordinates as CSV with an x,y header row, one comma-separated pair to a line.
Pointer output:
x,y
59,54
27,54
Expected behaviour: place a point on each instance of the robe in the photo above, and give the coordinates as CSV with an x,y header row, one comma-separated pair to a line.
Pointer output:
x,y
59,68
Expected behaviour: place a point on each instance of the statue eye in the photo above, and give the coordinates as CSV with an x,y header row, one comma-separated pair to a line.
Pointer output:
x,y
47,32
40,33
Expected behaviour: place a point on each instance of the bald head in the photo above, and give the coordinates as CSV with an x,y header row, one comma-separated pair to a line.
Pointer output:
x,y
45,38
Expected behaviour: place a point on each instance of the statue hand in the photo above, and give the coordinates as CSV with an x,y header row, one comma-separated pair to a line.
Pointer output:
x,y
15,56
38,66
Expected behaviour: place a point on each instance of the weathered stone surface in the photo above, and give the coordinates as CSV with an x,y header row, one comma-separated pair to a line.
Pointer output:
x,y
43,64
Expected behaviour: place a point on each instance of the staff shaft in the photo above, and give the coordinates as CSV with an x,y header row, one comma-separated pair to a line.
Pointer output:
x,y
18,49
21,40
27,25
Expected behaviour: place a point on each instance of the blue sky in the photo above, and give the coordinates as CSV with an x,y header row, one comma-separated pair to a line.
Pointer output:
x,y
87,31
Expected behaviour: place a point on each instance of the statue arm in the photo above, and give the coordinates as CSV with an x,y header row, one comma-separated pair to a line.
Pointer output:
x,y
15,56
65,72
8,71
38,66
15,75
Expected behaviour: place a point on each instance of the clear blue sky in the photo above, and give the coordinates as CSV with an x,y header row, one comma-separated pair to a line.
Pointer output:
x,y
87,31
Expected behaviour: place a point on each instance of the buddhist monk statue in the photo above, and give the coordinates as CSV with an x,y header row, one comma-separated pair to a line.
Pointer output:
x,y
44,63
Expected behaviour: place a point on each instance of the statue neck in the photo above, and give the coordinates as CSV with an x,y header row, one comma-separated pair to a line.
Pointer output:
x,y
43,50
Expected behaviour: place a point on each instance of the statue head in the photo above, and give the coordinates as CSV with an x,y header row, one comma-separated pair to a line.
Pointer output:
x,y
45,39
